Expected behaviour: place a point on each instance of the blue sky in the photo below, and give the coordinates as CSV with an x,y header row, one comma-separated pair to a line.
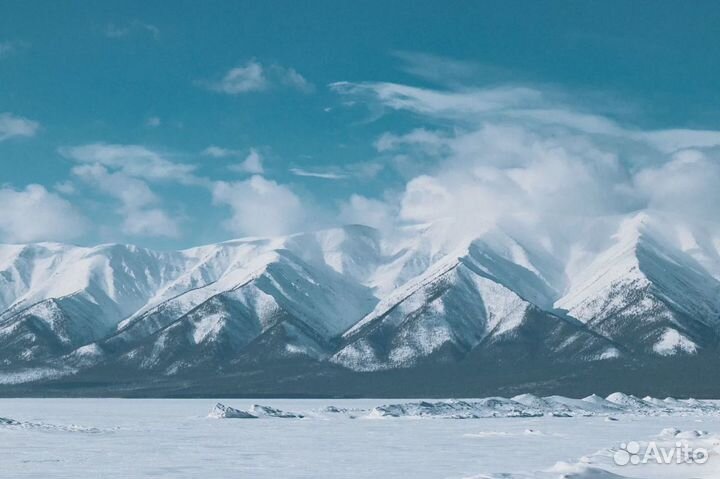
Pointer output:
x,y
171,127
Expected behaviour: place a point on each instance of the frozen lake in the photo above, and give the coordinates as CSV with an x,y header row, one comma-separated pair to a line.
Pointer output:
x,y
121,438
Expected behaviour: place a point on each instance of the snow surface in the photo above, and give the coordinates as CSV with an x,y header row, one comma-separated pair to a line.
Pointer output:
x,y
672,342
116,438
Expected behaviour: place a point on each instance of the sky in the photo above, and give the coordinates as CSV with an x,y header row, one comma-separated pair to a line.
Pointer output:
x,y
173,127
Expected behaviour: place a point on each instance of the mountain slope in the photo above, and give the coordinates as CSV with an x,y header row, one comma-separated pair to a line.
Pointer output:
x,y
475,299
57,298
646,294
280,289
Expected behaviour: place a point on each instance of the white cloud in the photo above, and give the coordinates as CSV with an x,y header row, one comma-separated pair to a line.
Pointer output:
x,y
127,29
35,214
501,173
65,187
252,164
132,192
260,207
458,105
134,160
291,78
367,211
687,185
153,122
468,107
325,175
421,136
254,76
242,79
446,71
137,201
125,172
12,126
426,199
152,222
219,152
670,141
365,169
523,156
361,170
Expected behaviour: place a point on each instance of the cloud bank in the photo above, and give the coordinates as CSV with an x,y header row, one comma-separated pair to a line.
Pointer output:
x,y
513,156
125,174
130,175
260,207
35,214
490,156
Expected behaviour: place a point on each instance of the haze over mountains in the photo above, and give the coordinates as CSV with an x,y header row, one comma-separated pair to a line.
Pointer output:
x,y
311,312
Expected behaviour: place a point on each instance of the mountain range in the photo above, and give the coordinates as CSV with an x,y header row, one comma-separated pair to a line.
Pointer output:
x,y
631,303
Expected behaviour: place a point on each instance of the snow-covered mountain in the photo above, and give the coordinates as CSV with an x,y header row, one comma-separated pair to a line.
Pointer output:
x,y
631,289
646,293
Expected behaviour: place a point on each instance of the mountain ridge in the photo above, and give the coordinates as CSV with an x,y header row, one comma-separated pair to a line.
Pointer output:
x,y
356,300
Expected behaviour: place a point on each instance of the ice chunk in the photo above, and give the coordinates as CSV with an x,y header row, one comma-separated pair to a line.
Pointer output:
x,y
8,422
691,434
456,409
627,401
221,411
268,411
